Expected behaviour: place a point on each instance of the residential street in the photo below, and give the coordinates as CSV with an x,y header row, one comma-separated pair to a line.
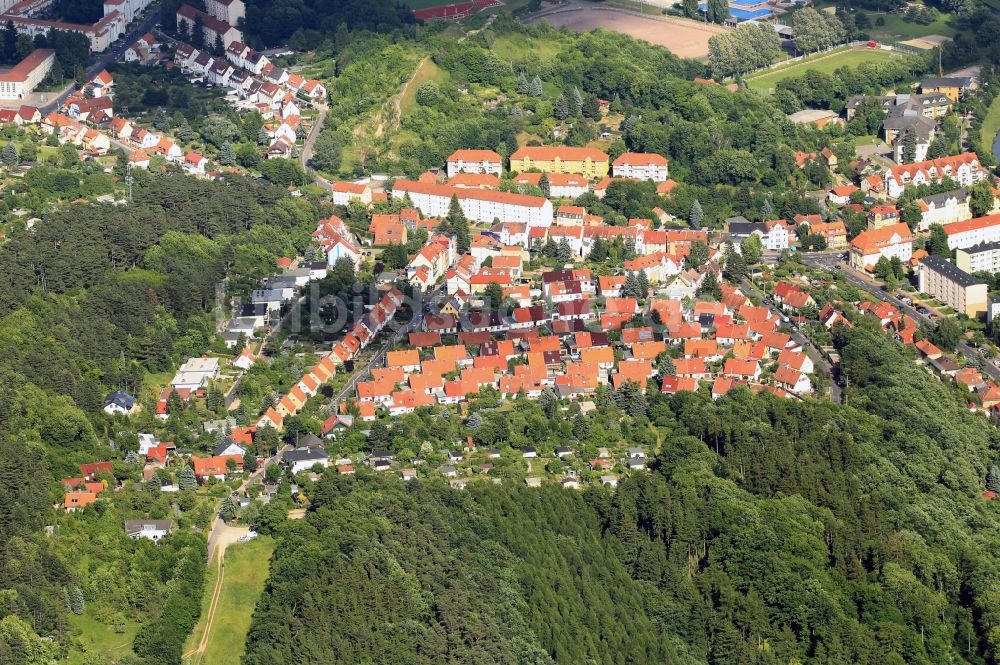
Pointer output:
x,y
307,147
819,360
852,276
103,60
432,299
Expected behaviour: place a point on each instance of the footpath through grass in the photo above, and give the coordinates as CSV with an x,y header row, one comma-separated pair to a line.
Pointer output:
x,y
825,63
245,572
991,125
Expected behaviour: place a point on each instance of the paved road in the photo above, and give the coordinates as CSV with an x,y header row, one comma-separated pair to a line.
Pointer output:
x,y
307,147
971,353
433,298
104,59
819,360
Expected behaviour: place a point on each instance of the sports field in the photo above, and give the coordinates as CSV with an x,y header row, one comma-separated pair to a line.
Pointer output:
x,y
682,37
822,62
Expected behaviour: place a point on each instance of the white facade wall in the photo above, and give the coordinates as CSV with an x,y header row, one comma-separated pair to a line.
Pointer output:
x,y
461,166
654,172
973,237
480,210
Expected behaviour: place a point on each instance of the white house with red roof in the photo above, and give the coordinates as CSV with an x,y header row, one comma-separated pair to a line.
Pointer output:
x,y
972,232
474,161
641,166
889,241
964,169
345,192
194,163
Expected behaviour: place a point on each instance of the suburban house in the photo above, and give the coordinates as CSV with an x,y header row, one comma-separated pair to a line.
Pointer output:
x,y
195,373
889,241
149,529
303,459
345,192
120,403
215,467
835,233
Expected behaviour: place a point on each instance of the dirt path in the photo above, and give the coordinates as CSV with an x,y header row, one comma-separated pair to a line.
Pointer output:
x,y
223,536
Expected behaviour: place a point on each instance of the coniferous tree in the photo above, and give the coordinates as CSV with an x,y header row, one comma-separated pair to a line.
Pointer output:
x,y
665,364
598,251
9,154
767,210
229,509
186,480
993,479
631,287
696,216
160,119
643,283
735,266
545,186
710,286
561,108
909,150
227,156
198,32
458,225
576,101
77,601
564,252
523,87
536,87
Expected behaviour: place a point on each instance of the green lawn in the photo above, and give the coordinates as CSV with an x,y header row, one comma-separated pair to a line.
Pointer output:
x,y
98,638
246,571
428,71
822,62
991,125
517,47
895,28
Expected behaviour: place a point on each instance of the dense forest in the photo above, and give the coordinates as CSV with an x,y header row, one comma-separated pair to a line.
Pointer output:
x,y
95,298
770,531
307,24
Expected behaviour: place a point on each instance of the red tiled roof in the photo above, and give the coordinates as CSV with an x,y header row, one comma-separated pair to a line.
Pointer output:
x,y
564,153
640,159
474,156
